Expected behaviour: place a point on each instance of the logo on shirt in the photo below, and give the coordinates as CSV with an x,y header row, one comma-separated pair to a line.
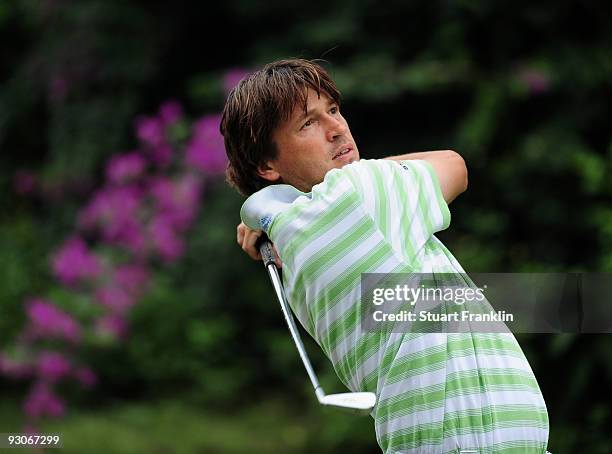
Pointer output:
x,y
265,222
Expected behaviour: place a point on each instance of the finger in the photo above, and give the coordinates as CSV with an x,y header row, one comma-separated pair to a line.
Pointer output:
x,y
248,244
240,233
245,245
243,234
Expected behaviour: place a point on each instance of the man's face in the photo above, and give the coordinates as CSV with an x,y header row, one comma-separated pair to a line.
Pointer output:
x,y
311,144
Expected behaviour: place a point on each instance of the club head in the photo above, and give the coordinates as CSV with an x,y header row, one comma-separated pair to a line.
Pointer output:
x,y
361,403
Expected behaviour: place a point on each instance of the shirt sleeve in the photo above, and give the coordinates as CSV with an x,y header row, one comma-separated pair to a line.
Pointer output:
x,y
404,199
260,210
431,209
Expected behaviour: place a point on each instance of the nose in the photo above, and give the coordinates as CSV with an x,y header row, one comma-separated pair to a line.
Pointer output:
x,y
335,128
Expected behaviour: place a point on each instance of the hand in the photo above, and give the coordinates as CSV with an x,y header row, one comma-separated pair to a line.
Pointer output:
x,y
247,239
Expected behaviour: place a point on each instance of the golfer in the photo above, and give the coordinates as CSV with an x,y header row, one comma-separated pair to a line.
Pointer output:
x,y
332,217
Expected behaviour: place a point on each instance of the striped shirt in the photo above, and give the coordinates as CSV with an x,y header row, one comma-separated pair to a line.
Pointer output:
x,y
437,392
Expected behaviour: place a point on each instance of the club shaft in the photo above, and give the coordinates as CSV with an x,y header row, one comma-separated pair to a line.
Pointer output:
x,y
268,257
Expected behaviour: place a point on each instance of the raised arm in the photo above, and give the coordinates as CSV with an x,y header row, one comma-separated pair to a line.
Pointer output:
x,y
450,169
448,165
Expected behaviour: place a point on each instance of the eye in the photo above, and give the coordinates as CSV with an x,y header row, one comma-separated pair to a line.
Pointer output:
x,y
334,110
308,123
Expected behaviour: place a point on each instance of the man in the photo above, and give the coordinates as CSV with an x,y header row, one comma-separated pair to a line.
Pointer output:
x,y
333,217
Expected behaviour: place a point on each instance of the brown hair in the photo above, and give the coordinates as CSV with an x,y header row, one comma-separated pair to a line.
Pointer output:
x,y
257,106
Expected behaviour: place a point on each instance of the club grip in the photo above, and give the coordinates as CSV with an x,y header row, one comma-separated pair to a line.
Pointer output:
x,y
265,248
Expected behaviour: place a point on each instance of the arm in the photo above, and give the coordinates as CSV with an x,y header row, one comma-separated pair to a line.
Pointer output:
x,y
449,167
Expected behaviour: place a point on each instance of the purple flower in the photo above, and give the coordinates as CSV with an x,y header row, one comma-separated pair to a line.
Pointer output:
x,y
188,189
170,112
42,401
113,325
115,298
52,366
86,377
114,210
73,262
206,150
177,200
534,80
161,155
131,278
24,182
150,130
187,195
162,189
232,77
130,235
110,205
125,167
47,321
164,239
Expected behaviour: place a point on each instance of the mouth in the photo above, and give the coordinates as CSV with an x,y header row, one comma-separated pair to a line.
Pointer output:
x,y
346,149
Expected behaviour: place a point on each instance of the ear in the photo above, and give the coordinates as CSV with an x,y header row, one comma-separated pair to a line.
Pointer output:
x,y
268,172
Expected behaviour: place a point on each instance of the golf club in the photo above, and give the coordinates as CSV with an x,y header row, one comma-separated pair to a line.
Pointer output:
x,y
359,402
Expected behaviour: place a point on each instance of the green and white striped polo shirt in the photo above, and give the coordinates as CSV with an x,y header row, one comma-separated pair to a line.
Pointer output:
x,y
437,392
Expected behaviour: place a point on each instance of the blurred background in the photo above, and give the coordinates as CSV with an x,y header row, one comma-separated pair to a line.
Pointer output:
x,y
130,321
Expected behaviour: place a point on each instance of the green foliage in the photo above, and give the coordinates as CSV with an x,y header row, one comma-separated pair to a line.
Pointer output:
x,y
23,270
264,425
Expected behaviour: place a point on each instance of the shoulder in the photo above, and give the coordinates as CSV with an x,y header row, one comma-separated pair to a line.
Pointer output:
x,y
366,168
372,174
